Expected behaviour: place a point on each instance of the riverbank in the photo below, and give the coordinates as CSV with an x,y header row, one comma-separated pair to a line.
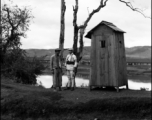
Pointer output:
x,y
28,102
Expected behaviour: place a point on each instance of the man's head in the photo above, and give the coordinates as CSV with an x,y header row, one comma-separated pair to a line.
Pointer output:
x,y
57,51
71,50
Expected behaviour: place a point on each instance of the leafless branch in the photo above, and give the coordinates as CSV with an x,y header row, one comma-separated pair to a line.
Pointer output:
x,y
102,4
128,4
105,2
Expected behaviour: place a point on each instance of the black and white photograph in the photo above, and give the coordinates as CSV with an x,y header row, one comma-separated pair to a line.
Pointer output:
x,y
75,59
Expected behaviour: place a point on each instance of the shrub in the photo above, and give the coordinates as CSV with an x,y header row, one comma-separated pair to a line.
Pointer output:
x,y
22,68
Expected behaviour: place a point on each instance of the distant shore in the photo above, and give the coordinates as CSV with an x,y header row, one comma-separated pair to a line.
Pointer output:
x,y
138,73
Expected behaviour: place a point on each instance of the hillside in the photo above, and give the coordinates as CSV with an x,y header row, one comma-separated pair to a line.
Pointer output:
x,y
140,52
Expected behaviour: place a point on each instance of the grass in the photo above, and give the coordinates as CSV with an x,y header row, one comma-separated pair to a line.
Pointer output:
x,y
28,102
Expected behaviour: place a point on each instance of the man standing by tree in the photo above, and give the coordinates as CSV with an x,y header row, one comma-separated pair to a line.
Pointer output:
x,y
56,68
71,64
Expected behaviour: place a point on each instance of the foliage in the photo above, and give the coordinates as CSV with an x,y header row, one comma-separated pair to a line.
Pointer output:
x,y
14,24
22,68
15,64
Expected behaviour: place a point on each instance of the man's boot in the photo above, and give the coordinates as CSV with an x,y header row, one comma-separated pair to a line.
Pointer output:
x,y
60,89
67,88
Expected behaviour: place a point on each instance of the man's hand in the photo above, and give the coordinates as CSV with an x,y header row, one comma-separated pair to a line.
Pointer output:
x,y
74,70
52,71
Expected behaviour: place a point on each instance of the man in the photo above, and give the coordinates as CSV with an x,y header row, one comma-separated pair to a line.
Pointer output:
x,y
56,68
71,64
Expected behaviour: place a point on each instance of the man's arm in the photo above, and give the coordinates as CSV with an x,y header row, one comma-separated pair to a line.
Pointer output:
x,y
75,61
60,62
66,61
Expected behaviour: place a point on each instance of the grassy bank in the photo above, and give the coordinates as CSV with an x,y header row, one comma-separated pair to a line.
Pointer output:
x,y
27,102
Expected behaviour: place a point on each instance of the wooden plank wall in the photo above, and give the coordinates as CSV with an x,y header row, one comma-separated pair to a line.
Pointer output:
x,y
121,64
102,63
125,62
93,62
106,61
112,70
116,58
98,60
105,68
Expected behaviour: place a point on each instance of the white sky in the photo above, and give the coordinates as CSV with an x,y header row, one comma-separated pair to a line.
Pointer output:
x,y
45,28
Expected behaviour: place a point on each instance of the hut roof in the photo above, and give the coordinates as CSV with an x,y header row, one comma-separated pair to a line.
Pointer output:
x,y
111,25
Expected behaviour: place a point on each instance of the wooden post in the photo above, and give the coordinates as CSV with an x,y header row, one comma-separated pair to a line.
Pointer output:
x,y
62,28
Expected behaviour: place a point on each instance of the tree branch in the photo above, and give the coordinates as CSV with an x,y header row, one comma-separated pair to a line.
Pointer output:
x,y
105,2
102,4
128,4
82,27
8,15
75,10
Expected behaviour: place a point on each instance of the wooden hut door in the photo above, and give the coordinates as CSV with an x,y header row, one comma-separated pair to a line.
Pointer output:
x,y
104,64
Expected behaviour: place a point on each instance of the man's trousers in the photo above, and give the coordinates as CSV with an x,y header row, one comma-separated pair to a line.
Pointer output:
x,y
57,77
71,78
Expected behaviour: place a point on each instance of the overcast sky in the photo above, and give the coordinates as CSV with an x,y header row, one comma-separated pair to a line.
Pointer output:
x,y
45,28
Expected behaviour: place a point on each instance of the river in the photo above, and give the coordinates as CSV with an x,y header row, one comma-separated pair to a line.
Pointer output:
x,y
46,82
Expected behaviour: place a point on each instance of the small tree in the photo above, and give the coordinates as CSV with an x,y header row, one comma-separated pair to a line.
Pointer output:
x,y
14,22
14,62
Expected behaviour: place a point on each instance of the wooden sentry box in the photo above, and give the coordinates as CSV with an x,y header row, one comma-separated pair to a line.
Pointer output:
x,y
108,60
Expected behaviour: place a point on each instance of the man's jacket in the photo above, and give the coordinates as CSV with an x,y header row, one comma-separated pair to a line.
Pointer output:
x,y
55,62
71,62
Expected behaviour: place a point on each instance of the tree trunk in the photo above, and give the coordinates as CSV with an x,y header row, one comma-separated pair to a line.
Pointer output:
x,y
76,28
62,28
82,28
75,41
81,44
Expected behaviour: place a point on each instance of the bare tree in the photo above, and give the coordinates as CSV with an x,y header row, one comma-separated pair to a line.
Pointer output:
x,y
81,28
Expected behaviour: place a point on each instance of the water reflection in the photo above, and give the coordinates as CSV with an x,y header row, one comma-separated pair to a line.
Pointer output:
x,y
46,81
139,85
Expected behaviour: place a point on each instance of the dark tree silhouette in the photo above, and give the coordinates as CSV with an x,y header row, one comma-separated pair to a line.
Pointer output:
x,y
15,64
14,24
